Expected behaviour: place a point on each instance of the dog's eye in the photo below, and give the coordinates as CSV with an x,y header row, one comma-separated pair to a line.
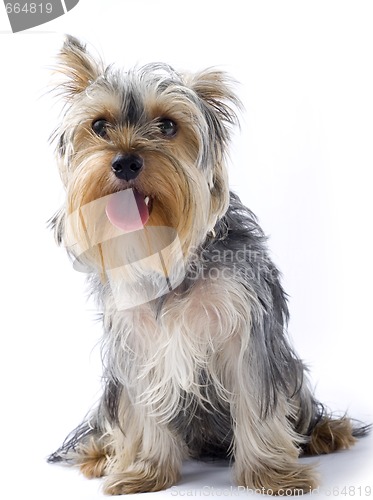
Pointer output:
x,y
167,127
100,127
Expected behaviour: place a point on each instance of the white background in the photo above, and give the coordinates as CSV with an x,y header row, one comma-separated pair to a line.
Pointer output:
x,y
302,161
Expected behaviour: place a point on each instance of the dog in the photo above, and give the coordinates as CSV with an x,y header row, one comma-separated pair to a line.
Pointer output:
x,y
197,363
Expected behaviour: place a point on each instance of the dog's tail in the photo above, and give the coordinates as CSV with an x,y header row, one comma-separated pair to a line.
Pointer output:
x,y
329,433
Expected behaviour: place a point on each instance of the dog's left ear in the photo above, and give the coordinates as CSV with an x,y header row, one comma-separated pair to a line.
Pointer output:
x,y
219,101
219,105
78,67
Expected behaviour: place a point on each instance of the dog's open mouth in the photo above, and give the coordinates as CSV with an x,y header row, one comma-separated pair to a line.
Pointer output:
x,y
129,210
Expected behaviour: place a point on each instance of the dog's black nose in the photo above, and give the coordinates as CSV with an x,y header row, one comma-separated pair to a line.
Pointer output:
x,y
127,167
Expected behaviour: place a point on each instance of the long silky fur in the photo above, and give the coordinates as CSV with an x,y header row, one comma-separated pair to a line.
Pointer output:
x,y
206,369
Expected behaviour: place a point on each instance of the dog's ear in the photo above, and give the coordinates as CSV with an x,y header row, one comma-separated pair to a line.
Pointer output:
x,y
220,102
220,106
78,67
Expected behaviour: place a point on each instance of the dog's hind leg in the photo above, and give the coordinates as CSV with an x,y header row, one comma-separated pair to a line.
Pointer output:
x,y
88,447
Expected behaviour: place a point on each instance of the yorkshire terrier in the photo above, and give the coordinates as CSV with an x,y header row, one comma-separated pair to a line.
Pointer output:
x,y
197,362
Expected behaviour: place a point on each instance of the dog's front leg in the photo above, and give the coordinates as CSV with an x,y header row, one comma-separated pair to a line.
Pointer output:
x,y
148,454
266,450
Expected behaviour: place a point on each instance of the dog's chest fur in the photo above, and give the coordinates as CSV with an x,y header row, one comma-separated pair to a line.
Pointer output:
x,y
169,347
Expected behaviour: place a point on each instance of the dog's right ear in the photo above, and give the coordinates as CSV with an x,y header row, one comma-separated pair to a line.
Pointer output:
x,y
78,67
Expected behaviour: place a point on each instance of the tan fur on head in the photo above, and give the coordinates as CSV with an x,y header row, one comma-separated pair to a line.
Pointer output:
x,y
185,176
78,66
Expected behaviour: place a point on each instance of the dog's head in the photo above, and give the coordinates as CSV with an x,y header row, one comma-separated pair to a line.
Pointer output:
x,y
140,149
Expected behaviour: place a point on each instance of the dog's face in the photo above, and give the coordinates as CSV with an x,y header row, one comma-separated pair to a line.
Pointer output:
x,y
152,131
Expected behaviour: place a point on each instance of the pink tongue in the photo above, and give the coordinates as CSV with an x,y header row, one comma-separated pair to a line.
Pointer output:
x,y
127,210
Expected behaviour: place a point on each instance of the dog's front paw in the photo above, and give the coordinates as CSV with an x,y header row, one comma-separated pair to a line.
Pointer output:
x,y
293,480
140,478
